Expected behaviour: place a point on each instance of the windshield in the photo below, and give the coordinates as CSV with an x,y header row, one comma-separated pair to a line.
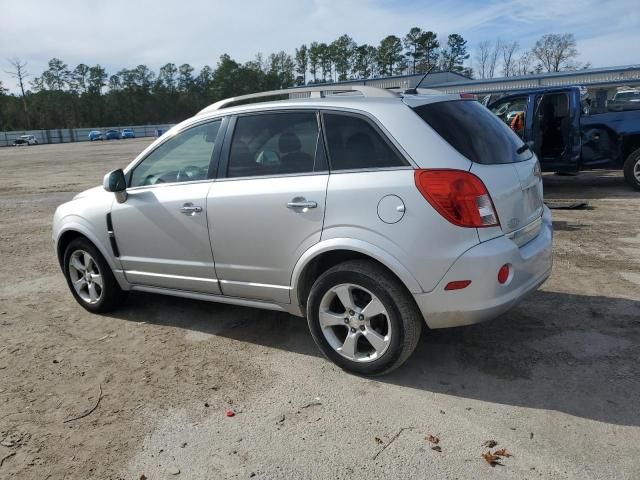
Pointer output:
x,y
474,131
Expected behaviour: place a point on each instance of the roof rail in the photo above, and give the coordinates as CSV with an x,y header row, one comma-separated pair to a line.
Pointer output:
x,y
365,90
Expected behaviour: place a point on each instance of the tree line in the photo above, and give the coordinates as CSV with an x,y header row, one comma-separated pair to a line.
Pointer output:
x,y
88,96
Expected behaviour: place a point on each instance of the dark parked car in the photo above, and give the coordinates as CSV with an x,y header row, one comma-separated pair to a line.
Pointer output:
x,y
568,140
112,135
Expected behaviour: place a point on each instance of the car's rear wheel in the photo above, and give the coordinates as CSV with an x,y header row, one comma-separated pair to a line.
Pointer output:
x,y
632,169
362,318
90,278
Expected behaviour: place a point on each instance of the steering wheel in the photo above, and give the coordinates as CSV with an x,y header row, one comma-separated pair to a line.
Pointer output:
x,y
152,180
190,172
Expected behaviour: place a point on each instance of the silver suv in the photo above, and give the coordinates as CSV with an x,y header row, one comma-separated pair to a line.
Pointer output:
x,y
366,211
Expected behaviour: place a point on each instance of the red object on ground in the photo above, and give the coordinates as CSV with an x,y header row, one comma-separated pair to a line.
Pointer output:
x,y
230,413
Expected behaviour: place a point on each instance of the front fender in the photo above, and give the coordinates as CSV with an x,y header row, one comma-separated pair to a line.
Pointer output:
x,y
359,246
78,224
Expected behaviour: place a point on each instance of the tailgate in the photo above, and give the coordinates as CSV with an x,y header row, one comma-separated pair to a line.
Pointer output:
x,y
516,191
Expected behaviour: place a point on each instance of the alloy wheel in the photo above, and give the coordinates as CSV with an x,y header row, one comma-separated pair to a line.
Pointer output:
x,y
85,276
355,322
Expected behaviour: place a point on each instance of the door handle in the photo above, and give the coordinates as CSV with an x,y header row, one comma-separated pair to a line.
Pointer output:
x,y
301,203
190,209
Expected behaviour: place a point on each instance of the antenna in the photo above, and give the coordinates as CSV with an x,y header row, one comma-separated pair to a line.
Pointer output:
x,y
414,90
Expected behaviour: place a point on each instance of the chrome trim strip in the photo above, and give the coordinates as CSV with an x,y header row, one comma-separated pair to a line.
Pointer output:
x,y
211,298
166,275
168,184
526,233
253,284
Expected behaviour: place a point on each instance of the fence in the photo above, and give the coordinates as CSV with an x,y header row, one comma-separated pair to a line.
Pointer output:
x,y
65,135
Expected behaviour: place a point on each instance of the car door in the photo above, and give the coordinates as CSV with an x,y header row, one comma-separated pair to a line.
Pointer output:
x,y
267,206
161,229
557,120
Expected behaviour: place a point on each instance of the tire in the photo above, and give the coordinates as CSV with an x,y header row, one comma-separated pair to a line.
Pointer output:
x,y
98,299
632,169
360,282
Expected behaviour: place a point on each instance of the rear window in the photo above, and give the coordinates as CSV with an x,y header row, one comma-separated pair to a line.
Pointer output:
x,y
473,131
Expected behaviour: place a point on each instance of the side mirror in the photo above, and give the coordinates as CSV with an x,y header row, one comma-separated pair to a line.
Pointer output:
x,y
116,182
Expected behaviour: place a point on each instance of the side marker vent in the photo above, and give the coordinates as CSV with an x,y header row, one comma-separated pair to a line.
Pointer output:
x,y
112,236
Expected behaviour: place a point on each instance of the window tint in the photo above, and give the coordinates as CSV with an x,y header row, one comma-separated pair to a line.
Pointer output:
x,y
183,158
473,131
354,143
273,144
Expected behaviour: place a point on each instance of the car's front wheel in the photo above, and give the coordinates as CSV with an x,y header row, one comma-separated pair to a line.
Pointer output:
x,y
90,278
362,318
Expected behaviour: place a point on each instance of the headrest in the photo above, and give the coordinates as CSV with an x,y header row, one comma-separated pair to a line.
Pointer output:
x,y
289,142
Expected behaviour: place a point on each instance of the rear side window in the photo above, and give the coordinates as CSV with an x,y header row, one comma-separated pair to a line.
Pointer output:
x,y
274,144
473,131
354,143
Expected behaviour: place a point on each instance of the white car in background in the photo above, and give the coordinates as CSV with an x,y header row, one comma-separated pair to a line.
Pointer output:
x,y
23,140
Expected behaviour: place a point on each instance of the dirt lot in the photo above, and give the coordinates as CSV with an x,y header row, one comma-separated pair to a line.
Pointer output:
x,y
556,381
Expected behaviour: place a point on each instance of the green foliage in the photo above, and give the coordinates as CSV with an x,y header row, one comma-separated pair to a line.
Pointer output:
x,y
89,96
455,54
389,54
302,64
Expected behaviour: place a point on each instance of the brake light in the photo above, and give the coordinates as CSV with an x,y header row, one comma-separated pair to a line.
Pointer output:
x,y
459,196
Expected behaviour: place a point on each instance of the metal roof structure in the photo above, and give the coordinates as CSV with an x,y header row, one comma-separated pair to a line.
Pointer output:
x,y
592,77
402,81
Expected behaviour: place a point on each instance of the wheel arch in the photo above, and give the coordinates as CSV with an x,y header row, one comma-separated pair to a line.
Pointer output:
x,y
324,255
630,145
75,230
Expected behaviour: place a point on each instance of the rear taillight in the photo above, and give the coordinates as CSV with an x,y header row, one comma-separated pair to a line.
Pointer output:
x,y
458,196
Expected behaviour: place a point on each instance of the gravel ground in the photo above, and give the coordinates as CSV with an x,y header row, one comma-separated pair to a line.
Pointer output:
x,y
556,381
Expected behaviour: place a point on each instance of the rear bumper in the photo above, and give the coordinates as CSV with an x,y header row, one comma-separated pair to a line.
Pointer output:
x,y
485,298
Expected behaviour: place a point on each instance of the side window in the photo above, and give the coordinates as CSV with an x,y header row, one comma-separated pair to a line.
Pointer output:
x,y
184,158
273,144
354,143
511,112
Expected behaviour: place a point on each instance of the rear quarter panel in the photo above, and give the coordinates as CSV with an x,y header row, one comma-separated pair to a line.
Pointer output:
x,y
422,240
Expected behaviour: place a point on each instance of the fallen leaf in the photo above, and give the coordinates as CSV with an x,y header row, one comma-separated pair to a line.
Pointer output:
x,y
143,477
502,453
437,448
490,443
378,440
230,413
491,459
433,439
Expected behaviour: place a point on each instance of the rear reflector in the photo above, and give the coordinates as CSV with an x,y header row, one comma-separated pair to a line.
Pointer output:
x,y
503,274
457,285
458,196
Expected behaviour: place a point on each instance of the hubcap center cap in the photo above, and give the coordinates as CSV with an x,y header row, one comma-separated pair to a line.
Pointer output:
x,y
354,321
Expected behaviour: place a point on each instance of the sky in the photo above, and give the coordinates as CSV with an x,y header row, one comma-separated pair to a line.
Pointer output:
x,y
122,34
